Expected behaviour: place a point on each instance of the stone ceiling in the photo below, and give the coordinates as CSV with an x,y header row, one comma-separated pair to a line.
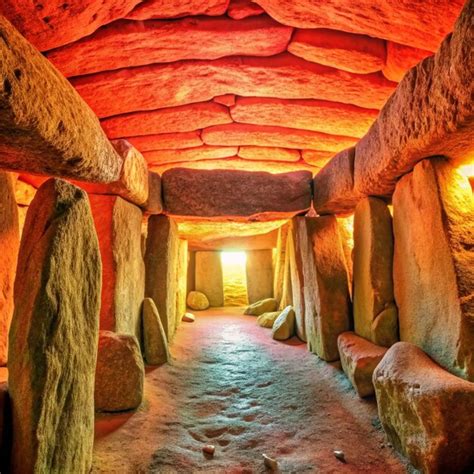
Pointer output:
x,y
271,85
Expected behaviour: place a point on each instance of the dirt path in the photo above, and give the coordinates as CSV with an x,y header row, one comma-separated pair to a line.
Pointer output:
x,y
231,385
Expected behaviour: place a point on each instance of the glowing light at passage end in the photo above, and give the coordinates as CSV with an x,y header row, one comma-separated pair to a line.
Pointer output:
x,y
233,258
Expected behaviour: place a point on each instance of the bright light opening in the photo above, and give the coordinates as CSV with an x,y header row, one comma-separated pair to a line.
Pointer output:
x,y
234,276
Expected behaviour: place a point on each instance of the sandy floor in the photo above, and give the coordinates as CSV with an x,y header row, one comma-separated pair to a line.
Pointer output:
x,y
231,385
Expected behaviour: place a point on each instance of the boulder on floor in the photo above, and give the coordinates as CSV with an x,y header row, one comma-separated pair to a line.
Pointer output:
x,y
259,272
266,320
375,313
154,338
208,277
160,269
189,318
284,326
197,301
267,305
425,411
119,373
434,263
9,244
359,358
53,336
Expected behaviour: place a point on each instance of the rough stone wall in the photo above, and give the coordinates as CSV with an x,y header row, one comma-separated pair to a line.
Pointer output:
x,y
259,271
279,262
161,258
209,279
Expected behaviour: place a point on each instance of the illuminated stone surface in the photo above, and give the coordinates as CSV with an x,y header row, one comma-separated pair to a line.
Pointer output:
x,y
177,8
266,320
359,358
262,153
209,277
181,280
239,9
429,126
167,141
279,262
9,244
45,127
24,192
284,326
118,225
346,51
375,313
205,152
154,204
154,338
115,46
119,373
267,305
57,286
400,59
235,193
434,264
425,410
259,271
197,300
160,269
230,243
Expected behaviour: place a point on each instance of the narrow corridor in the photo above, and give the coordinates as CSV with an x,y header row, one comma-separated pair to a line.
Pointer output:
x,y
231,385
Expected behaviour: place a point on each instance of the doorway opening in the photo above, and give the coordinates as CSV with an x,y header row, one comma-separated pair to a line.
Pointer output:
x,y
234,278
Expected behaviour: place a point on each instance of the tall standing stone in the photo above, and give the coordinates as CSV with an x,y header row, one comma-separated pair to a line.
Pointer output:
x,y
54,332
9,243
327,299
155,343
286,289
161,261
118,224
375,313
434,264
209,278
259,272
280,262
182,280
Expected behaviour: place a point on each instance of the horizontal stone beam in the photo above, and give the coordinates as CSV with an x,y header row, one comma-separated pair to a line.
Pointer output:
x,y
254,242
429,114
334,185
237,194
205,152
45,127
167,141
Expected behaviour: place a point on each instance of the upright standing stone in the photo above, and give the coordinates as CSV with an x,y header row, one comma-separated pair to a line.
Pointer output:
x,y
154,337
181,283
161,258
279,271
296,256
286,289
53,337
434,264
191,272
375,313
326,287
118,224
9,243
209,279
259,271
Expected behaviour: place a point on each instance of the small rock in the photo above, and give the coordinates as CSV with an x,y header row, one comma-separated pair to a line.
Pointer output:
x,y
209,449
188,317
197,301
340,455
284,326
266,320
263,306
270,462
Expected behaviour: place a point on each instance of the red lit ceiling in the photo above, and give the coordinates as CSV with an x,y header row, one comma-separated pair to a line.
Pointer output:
x,y
270,85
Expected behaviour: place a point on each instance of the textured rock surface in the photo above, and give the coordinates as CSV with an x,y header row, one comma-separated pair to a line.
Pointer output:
x,y
318,115
160,269
209,277
354,53
196,300
316,158
266,320
239,9
267,305
403,23
24,192
425,411
334,185
184,82
181,280
359,358
259,135
254,242
118,224
154,203
53,337
187,155
326,286
119,373
280,255
167,141
154,338
178,8
114,47
185,118
259,273
268,153
437,122
400,59
434,264
375,313
284,326
45,127
57,23
9,244
235,193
